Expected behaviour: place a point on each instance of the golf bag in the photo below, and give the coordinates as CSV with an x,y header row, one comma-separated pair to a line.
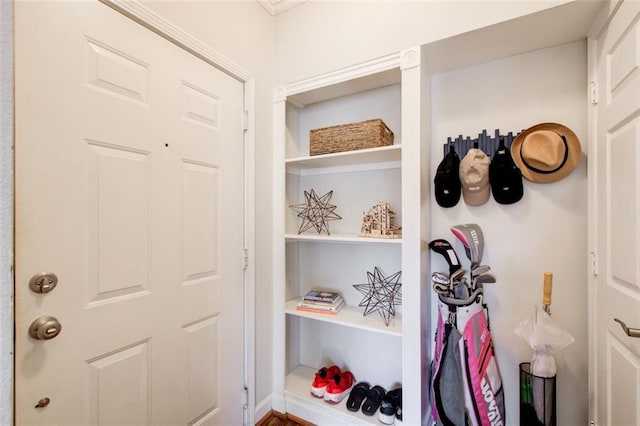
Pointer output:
x,y
466,382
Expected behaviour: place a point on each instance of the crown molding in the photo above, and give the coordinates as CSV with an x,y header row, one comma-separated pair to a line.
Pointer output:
x,y
147,18
275,7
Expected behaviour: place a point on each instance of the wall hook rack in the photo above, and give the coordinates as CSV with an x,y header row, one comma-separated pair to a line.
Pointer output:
x,y
484,142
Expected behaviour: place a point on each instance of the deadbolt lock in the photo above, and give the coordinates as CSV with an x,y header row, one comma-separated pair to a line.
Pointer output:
x,y
43,282
45,328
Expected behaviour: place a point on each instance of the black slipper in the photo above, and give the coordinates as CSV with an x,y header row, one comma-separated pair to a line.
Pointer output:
x,y
374,397
357,395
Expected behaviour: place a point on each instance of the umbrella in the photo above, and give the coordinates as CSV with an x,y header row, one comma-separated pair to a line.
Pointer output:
x,y
545,337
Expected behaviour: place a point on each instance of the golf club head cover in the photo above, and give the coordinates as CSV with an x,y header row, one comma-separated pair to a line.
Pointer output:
x,y
445,249
471,237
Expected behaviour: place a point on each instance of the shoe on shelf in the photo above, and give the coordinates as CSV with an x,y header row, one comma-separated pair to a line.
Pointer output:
x,y
338,387
321,380
374,397
357,395
389,406
399,409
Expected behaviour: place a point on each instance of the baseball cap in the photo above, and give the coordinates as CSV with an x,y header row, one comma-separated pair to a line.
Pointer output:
x,y
505,177
474,177
447,180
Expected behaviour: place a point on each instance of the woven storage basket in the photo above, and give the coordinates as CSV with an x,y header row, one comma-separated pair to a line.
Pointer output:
x,y
348,137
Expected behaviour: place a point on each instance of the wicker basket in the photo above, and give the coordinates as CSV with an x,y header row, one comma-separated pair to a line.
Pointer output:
x,y
348,137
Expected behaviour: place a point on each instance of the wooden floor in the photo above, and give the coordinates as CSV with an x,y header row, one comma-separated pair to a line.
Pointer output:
x,y
273,418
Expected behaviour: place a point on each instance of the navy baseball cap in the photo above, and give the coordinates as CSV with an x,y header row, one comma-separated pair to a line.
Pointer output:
x,y
447,180
505,177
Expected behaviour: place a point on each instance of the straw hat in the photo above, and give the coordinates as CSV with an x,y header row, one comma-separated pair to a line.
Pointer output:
x,y
546,152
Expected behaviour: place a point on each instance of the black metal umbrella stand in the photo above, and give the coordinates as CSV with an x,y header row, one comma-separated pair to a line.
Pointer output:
x,y
537,398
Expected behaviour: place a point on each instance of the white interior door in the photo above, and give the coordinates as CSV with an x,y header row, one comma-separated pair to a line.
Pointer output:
x,y
129,187
617,219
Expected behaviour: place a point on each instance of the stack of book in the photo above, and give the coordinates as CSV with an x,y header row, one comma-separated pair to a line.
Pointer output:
x,y
321,302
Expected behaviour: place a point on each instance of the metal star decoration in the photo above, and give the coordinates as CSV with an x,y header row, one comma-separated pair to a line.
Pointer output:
x,y
316,212
381,294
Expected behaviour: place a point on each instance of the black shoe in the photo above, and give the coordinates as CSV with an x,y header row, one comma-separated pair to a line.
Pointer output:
x,y
399,408
389,406
357,395
374,398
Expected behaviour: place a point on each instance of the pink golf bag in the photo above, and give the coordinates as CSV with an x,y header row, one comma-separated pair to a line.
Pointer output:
x,y
466,382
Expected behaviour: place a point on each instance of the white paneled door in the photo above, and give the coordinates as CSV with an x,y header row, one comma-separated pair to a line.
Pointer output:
x,y
129,188
617,220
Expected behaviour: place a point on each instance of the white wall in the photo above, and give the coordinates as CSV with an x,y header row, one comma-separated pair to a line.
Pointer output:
x,y
321,36
6,212
546,230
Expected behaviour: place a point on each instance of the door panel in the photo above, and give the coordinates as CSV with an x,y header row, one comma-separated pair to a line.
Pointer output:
x,y
119,386
119,222
622,387
129,171
617,218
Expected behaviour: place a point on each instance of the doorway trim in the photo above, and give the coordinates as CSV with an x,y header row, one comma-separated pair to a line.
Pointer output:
x,y
6,212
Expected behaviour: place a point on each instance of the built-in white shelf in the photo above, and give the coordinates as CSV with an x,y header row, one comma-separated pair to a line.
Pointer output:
x,y
351,316
371,158
298,391
394,173
341,238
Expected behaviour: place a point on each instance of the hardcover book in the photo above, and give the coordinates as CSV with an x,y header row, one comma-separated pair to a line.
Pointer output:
x,y
321,296
322,305
305,307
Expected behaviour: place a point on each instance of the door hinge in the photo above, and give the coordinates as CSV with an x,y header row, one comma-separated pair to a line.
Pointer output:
x,y
245,120
593,93
245,258
245,397
594,264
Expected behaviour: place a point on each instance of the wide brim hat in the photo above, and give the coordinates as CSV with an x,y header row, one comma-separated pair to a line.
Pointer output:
x,y
546,152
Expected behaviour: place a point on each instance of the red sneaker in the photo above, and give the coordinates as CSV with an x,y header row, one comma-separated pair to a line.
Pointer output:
x,y
321,380
339,386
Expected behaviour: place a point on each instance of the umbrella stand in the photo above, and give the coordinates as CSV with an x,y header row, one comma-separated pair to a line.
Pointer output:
x,y
537,398
537,393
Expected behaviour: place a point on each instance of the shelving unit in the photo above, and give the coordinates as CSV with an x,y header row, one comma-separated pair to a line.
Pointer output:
x,y
349,316
392,88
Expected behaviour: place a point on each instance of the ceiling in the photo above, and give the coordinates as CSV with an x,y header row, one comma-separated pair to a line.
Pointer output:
x,y
278,6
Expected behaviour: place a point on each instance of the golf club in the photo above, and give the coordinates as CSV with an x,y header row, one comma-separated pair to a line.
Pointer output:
x,y
481,280
440,288
479,270
440,278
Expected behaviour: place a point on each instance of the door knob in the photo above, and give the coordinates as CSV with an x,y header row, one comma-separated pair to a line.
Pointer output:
x,y
45,328
43,282
631,332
